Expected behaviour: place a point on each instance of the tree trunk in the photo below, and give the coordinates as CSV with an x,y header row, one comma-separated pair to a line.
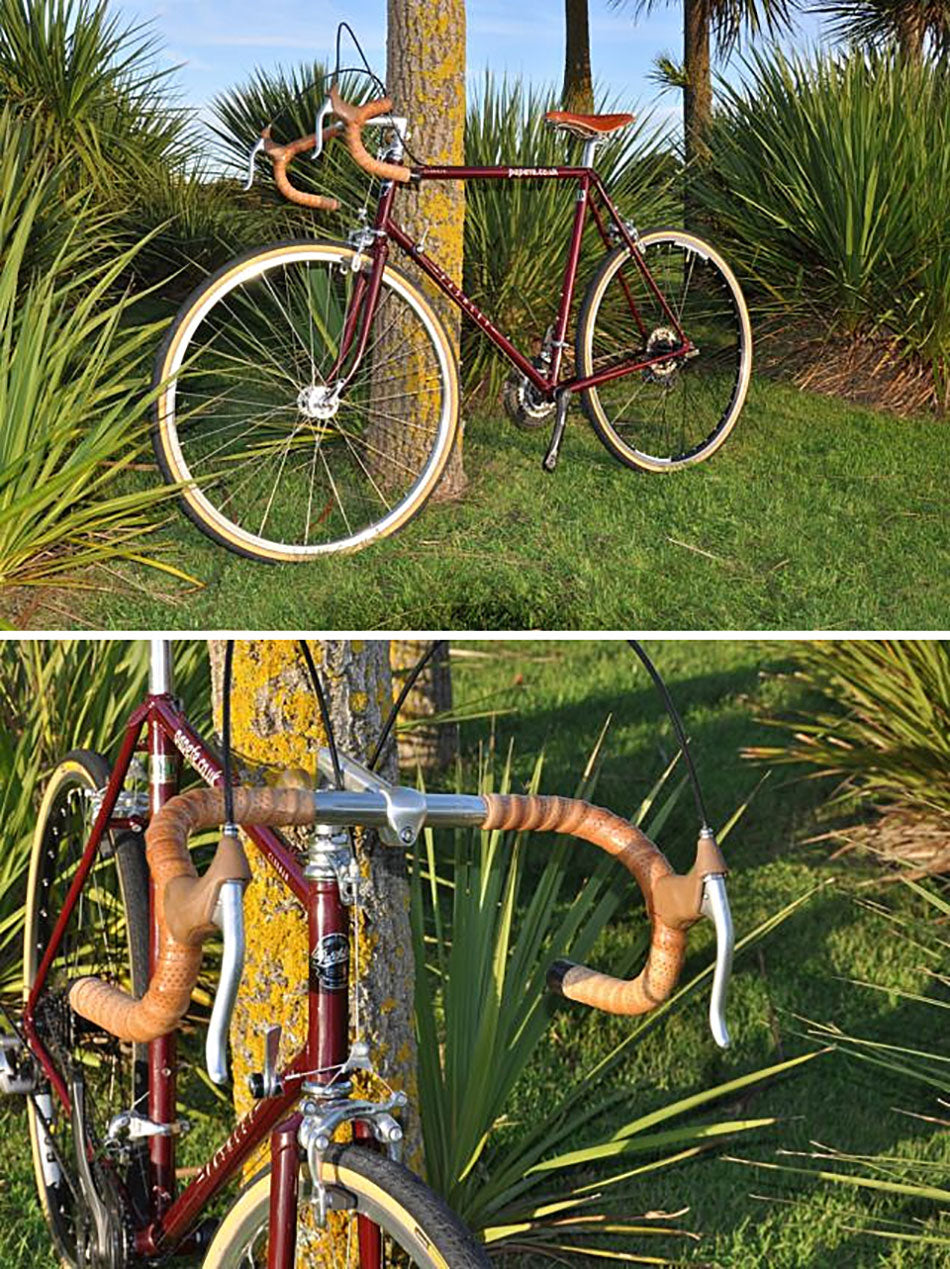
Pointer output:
x,y
275,726
425,77
430,746
578,91
910,33
697,94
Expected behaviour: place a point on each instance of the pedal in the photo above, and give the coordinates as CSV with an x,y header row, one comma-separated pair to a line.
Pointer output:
x,y
17,1072
557,435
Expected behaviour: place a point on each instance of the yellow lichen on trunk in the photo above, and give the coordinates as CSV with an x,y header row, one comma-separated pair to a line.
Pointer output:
x,y
425,76
276,728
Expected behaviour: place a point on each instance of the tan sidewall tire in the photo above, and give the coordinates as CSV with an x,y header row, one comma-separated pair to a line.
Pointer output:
x,y
171,460
68,767
585,331
431,1234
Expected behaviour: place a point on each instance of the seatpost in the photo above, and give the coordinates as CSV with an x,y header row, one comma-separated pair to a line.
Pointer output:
x,y
161,674
590,149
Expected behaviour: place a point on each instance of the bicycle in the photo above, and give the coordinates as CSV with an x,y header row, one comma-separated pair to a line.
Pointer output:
x,y
307,394
113,948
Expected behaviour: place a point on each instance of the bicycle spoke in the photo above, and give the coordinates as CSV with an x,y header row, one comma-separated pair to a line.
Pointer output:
x,y
275,459
675,408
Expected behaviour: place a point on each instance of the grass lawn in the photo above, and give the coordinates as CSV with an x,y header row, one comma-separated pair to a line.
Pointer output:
x,y
559,695
814,515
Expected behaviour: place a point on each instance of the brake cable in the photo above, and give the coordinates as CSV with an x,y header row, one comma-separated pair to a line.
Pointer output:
x,y
678,728
229,826
401,698
365,69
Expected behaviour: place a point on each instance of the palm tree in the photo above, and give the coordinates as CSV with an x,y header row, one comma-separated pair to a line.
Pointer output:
x,y
578,91
276,729
911,24
727,21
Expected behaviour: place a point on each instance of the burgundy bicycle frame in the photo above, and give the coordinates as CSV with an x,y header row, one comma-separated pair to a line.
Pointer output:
x,y
169,738
591,195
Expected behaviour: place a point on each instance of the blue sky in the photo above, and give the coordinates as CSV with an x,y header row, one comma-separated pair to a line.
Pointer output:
x,y
219,42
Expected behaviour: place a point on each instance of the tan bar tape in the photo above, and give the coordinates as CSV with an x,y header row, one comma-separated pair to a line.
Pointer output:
x,y
284,154
354,117
630,847
184,904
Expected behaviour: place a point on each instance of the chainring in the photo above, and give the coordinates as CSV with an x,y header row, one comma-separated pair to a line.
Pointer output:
x,y
523,404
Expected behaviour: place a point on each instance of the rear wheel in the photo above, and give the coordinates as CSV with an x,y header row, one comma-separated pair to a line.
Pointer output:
x,y
365,1189
680,410
107,935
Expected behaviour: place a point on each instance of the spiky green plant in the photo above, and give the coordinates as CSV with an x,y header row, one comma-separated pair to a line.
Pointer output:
x,y
830,187
56,696
488,918
73,385
187,224
91,86
517,233
880,723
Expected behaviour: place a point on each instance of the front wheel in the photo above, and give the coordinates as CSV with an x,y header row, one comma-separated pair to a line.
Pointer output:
x,y
679,410
274,460
367,1193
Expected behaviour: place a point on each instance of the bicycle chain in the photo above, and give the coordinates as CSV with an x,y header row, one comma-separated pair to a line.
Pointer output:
x,y
56,1026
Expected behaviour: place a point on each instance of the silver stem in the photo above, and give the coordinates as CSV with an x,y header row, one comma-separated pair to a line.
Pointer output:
x,y
373,810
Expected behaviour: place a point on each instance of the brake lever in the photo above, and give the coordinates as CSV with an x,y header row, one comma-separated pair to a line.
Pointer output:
x,y
252,158
715,905
325,109
229,917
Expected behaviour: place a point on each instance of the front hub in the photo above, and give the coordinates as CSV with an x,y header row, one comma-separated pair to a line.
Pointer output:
x,y
318,403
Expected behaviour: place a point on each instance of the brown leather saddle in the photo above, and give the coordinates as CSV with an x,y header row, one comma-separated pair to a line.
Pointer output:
x,y
587,127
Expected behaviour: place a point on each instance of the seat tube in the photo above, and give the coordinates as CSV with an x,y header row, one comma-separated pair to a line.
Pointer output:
x,y
162,1053
570,274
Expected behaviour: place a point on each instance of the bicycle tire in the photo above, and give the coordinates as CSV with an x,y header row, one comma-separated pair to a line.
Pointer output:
x,y
390,1195
85,772
596,410
198,506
